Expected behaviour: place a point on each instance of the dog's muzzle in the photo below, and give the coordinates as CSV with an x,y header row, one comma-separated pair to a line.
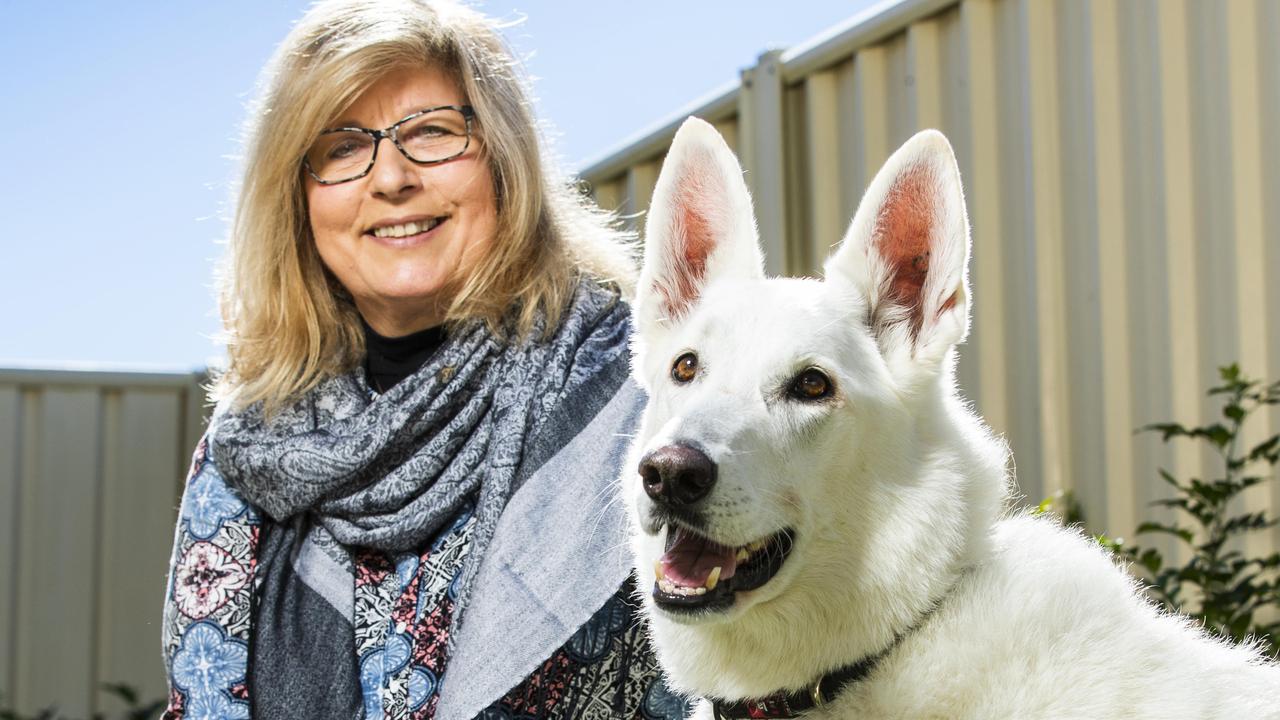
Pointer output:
x,y
696,573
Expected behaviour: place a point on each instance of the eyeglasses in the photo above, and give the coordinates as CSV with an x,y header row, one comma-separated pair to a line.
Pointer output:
x,y
426,137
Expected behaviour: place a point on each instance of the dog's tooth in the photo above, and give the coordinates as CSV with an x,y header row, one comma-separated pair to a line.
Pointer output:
x,y
657,570
713,578
743,554
700,591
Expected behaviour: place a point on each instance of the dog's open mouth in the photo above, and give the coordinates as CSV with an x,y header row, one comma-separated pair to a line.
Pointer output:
x,y
697,573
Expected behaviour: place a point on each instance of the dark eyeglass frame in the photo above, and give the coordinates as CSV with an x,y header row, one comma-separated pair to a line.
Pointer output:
x,y
392,133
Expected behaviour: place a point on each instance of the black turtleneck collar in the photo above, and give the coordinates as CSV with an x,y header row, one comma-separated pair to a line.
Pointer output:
x,y
387,360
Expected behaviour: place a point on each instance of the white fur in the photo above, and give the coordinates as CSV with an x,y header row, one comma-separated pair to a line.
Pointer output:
x,y
894,488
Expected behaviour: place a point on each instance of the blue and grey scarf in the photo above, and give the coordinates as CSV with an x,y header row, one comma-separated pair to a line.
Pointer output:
x,y
346,467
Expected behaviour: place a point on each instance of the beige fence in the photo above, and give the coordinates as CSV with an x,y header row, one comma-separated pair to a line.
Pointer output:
x,y
91,466
1121,162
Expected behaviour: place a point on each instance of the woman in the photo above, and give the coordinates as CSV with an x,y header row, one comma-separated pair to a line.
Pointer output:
x,y
402,507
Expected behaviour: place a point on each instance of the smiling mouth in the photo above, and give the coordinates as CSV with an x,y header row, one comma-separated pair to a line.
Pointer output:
x,y
409,229
697,574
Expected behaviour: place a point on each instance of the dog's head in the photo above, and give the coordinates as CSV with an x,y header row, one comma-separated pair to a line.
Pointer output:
x,y
787,417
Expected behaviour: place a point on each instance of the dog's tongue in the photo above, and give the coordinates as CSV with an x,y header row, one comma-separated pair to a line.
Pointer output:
x,y
690,559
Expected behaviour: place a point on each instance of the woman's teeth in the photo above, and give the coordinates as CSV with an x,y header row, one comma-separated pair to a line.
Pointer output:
x,y
405,230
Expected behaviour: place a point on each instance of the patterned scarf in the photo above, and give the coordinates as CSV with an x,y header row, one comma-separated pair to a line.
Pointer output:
x,y
387,472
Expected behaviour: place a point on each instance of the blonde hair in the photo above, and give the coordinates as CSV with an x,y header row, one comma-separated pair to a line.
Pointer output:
x,y
289,323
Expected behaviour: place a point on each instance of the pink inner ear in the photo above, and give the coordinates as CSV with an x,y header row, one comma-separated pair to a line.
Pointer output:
x,y
693,239
904,229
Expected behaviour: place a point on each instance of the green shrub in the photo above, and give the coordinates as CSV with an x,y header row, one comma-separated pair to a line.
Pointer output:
x,y
1218,584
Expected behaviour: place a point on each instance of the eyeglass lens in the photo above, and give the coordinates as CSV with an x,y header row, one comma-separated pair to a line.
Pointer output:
x,y
431,137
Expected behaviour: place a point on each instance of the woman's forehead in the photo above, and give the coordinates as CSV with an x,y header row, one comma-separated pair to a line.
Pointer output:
x,y
401,92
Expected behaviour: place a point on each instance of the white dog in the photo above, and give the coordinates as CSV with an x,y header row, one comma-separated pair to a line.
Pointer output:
x,y
821,522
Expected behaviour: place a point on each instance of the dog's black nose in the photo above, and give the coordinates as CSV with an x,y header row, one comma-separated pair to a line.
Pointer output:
x,y
677,475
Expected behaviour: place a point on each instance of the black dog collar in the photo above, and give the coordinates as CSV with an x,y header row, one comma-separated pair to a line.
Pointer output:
x,y
784,704
790,704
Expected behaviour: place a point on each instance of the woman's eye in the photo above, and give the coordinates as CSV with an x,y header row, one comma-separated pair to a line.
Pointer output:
x,y
811,384
427,132
343,150
685,368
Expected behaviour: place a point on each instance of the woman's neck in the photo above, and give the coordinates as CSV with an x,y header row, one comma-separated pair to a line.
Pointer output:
x,y
388,360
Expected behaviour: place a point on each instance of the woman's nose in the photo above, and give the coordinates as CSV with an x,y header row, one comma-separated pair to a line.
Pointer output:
x,y
393,174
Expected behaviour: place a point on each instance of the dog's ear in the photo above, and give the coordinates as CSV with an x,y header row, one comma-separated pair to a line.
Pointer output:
x,y
907,251
700,225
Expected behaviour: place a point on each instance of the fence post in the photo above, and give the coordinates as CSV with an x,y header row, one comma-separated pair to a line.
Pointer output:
x,y
761,138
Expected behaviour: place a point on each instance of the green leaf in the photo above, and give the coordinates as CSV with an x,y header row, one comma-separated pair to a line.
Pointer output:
x,y
122,691
1169,478
1246,523
1218,435
1154,527
1111,545
1213,493
1151,560
1043,507
1168,430
1266,449
1234,412
1249,481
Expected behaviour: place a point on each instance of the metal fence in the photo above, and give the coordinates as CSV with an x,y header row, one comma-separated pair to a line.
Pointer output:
x,y
1121,163
91,467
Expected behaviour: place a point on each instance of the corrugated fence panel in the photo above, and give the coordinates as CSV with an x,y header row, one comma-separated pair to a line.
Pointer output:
x,y
801,256
56,558
10,469
971,53
135,514
1122,170
639,189
729,129
1147,254
824,220
608,195
1243,81
91,465
1177,223
1269,96
870,121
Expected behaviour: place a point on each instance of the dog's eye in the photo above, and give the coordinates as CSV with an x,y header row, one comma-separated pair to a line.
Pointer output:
x,y
685,367
812,384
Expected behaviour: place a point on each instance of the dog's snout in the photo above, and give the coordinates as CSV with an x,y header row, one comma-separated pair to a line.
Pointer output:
x,y
677,475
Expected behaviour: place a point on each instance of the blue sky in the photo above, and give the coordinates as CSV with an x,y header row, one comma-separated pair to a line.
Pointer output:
x,y
123,129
